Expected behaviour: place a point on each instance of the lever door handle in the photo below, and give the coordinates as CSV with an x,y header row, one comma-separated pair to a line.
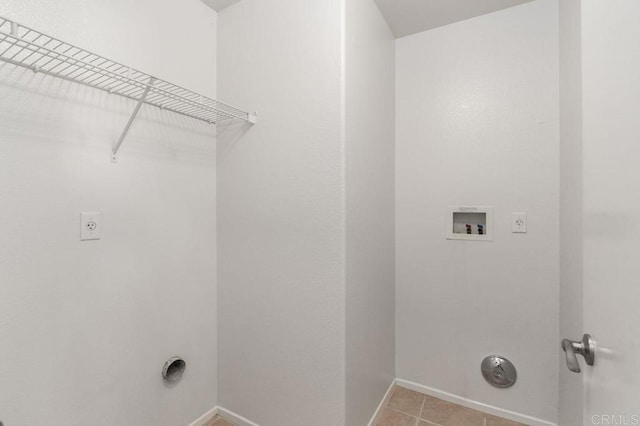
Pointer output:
x,y
585,348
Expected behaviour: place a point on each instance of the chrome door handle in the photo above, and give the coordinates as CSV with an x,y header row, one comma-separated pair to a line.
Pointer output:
x,y
585,348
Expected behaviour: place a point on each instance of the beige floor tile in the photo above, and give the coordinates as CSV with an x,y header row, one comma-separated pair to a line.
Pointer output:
x,y
223,422
447,414
497,421
392,417
407,401
465,417
405,405
218,420
437,411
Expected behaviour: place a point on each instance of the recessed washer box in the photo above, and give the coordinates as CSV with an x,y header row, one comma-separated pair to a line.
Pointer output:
x,y
471,223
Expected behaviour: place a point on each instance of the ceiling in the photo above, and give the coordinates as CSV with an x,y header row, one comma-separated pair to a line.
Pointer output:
x,y
407,17
218,5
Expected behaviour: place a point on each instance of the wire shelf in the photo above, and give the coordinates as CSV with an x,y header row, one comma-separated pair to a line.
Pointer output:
x,y
26,47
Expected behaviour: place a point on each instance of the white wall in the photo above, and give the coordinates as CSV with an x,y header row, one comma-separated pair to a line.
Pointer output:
x,y
571,223
370,208
86,326
477,124
281,214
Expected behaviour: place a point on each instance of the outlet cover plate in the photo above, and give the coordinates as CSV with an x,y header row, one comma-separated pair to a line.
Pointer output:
x,y
519,223
89,226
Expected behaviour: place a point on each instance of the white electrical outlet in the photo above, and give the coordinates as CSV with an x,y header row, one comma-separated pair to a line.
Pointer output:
x,y
519,223
89,226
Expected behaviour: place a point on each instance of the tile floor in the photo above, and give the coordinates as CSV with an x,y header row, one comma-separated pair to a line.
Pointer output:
x,y
409,408
218,420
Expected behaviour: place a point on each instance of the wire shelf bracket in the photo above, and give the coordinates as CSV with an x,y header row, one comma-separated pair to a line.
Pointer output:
x,y
28,48
116,147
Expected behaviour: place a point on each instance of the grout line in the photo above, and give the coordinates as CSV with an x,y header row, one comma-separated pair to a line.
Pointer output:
x,y
401,412
424,401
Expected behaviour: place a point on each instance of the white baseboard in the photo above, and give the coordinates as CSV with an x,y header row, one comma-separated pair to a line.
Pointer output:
x,y
229,415
205,418
383,403
485,408
236,418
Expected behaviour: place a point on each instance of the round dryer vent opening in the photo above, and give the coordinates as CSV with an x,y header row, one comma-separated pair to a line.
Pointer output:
x,y
173,369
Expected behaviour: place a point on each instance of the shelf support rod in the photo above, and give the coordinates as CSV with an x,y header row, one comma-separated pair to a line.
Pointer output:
x,y
116,147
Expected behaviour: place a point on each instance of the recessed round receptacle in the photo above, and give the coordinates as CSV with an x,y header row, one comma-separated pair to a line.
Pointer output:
x,y
174,369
